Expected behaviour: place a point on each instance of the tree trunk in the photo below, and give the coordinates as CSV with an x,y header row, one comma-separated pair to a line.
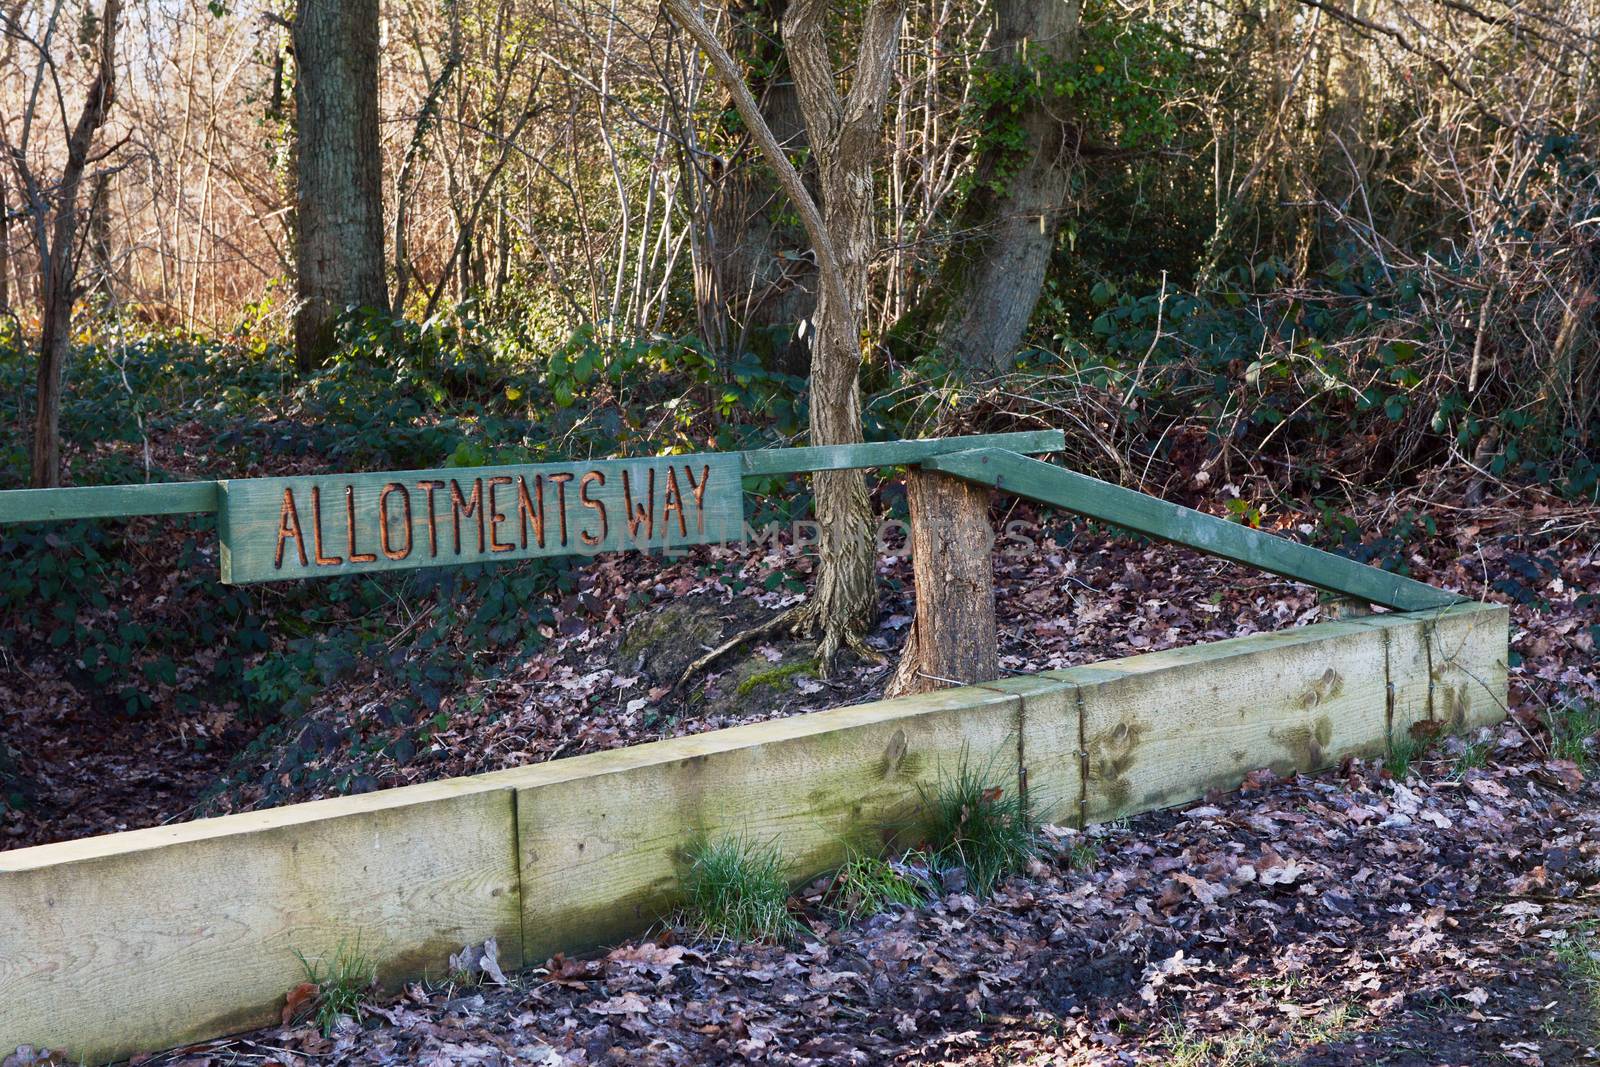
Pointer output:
x,y
844,599
760,275
339,171
5,246
953,640
992,280
846,135
99,244
58,260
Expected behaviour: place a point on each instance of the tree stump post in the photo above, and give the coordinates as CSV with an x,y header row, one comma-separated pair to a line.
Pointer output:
x,y
953,640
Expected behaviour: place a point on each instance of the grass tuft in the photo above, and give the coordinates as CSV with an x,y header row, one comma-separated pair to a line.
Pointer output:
x,y
736,891
1083,856
979,825
1403,751
1571,728
868,884
1260,1049
1474,755
1579,953
342,982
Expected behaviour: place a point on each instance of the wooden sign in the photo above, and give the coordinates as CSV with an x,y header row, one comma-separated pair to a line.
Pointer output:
x,y
272,528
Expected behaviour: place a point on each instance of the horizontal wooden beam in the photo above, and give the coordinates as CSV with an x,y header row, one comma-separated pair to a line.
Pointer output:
x,y
107,501
893,453
133,942
1090,497
186,498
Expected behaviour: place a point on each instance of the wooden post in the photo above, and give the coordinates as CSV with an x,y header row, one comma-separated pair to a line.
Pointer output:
x,y
953,640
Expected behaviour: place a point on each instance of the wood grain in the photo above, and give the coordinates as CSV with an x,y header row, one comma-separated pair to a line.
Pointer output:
x,y
1448,666
135,942
182,498
1183,722
952,640
1052,740
892,453
107,501
1468,664
1049,747
603,837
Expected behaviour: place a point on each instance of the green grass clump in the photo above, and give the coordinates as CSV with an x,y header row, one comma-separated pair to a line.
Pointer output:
x,y
1571,727
1083,855
1474,755
1186,1048
1403,751
342,983
868,884
1579,953
976,822
736,891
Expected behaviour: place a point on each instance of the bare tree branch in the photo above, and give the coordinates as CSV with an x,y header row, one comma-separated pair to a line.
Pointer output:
x,y
727,70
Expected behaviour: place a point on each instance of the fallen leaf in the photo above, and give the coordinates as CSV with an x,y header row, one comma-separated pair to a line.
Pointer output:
x,y
647,956
1567,773
1287,874
480,961
299,997
626,1004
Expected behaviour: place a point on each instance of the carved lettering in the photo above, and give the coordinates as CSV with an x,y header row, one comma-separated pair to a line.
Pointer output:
x,y
496,518
429,486
383,520
531,509
429,518
289,526
316,531
699,489
350,528
561,481
639,514
471,507
594,478
673,501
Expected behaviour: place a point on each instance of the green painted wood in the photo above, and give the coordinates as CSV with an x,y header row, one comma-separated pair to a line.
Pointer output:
x,y
892,453
1091,497
107,501
183,498
324,525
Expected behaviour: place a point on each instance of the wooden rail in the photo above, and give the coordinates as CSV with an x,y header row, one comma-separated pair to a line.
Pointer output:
x,y
133,942
1090,497
186,498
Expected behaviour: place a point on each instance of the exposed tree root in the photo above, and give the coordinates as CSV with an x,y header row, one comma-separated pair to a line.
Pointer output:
x,y
759,630
802,621
837,634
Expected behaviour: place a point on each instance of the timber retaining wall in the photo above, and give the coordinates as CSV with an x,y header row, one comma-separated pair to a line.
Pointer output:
x,y
138,941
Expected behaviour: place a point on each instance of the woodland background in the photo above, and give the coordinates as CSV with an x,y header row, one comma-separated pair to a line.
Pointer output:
x,y
1327,269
